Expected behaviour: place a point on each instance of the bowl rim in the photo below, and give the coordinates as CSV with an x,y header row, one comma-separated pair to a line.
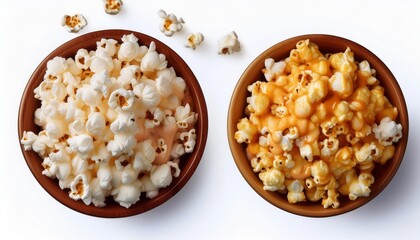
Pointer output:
x,y
245,169
144,204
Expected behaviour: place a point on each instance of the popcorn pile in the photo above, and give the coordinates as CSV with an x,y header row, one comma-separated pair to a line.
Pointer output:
x,y
318,125
115,122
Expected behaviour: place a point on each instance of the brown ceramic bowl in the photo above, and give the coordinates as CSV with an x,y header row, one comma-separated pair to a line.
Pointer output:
x,y
327,44
188,163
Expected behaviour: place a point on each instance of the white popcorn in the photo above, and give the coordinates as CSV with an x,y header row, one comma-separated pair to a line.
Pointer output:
x,y
37,143
229,44
184,117
107,45
121,99
170,23
73,23
164,86
79,165
95,124
273,179
55,129
177,150
129,74
57,66
104,176
82,58
273,69
152,60
174,167
89,96
194,39
77,127
147,95
100,83
80,189
306,152
121,144
28,139
189,140
158,117
127,194
98,194
101,62
130,49
387,132
161,176
148,187
145,155
125,123
82,144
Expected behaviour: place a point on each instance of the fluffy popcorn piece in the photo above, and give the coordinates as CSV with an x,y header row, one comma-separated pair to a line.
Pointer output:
x,y
189,140
98,193
100,83
229,44
164,86
161,175
123,143
320,172
28,139
246,131
130,48
273,69
306,152
194,39
273,179
129,74
145,155
95,124
295,193
303,107
367,72
330,146
342,84
184,116
387,132
127,194
368,152
101,62
82,58
147,94
82,144
148,187
331,200
80,189
104,176
73,23
170,24
360,187
174,167
38,143
121,100
152,60
112,7
107,45
124,123
89,96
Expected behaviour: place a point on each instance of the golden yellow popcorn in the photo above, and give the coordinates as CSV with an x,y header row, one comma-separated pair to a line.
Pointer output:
x,y
318,126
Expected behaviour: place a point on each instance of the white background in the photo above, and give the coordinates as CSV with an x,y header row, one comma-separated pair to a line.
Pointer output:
x,y
216,203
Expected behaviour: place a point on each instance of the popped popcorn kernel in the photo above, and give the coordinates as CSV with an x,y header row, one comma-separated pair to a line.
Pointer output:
x,y
229,44
112,6
73,23
194,39
170,24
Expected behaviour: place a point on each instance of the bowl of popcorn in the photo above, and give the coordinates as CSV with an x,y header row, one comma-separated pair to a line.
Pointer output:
x,y
113,123
317,125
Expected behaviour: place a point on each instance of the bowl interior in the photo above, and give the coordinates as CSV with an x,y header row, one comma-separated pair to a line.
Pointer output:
x,y
327,44
188,163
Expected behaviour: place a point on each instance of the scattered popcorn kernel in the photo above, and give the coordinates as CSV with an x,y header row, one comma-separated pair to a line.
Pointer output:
x,y
229,44
73,23
112,6
170,24
194,39
308,126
